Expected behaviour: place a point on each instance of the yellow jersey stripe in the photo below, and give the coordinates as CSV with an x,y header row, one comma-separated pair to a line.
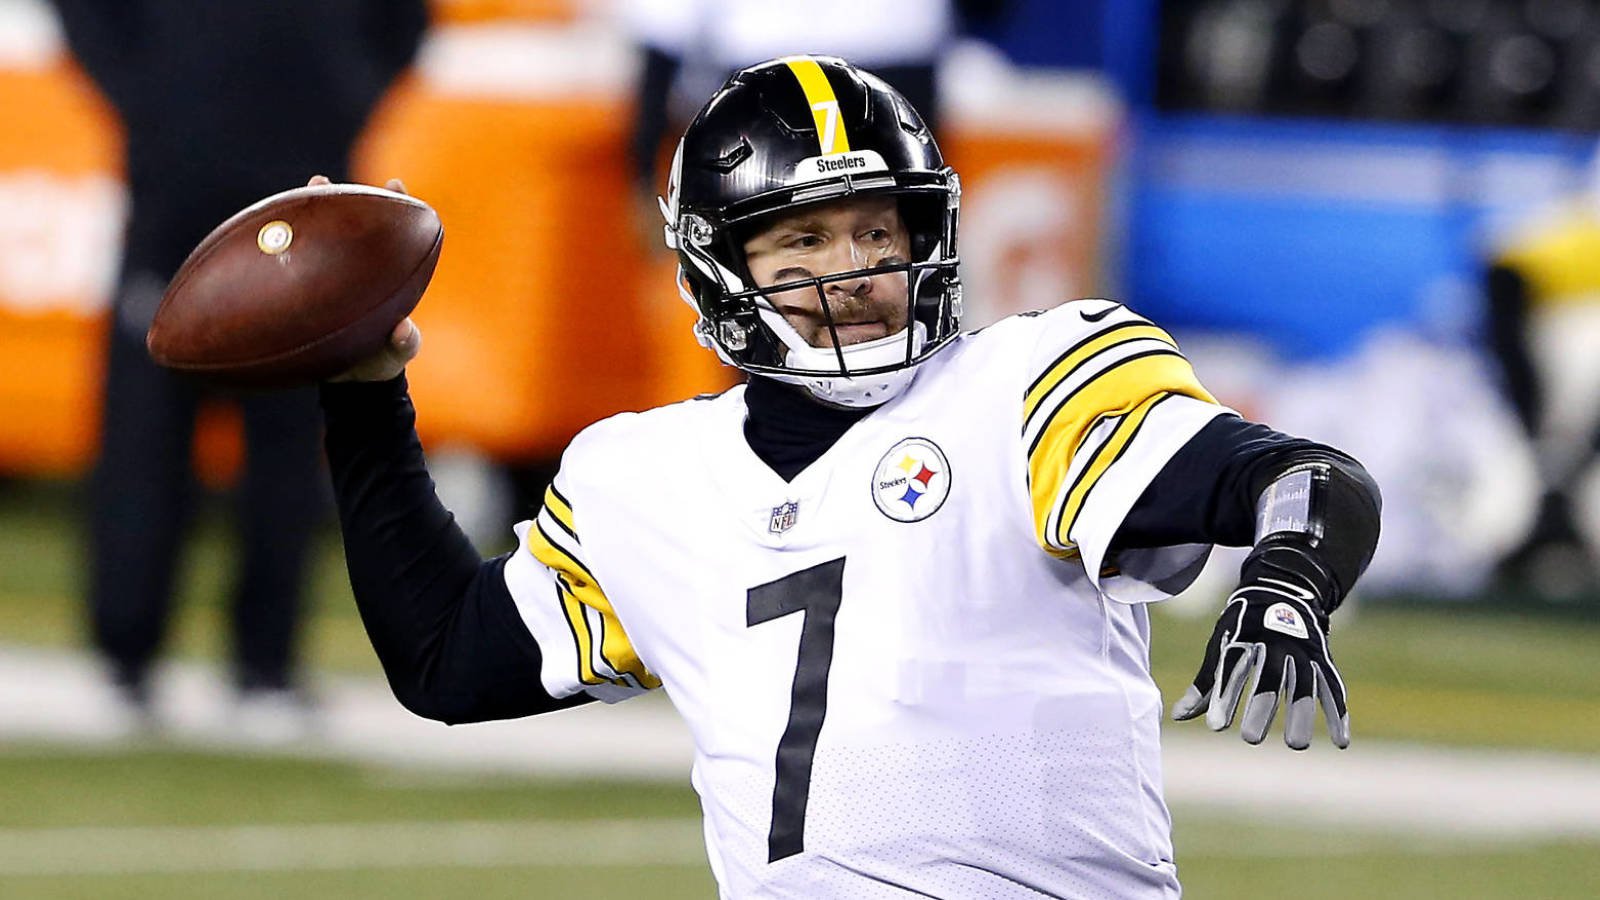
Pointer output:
x,y
1111,393
560,510
580,589
581,639
1107,454
1079,354
617,651
572,577
1072,396
1115,392
556,557
831,136
1033,387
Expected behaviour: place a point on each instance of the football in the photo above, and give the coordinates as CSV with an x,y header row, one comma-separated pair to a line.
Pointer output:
x,y
297,287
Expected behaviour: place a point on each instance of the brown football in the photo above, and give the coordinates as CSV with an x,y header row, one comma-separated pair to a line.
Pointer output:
x,y
297,287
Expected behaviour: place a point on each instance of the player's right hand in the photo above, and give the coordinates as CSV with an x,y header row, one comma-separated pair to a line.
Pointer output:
x,y
387,364
405,342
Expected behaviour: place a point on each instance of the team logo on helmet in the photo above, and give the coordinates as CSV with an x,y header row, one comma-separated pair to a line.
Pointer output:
x,y
912,480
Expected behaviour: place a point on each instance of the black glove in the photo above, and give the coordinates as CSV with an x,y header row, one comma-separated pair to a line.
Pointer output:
x,y
1273,638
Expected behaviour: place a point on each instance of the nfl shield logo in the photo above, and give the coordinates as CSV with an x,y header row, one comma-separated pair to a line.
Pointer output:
x,y
783,517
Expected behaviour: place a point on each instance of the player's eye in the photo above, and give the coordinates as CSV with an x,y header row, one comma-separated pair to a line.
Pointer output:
x,y
877,235
806,242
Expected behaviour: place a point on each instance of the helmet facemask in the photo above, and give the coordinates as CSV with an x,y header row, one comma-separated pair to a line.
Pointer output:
x,y
741,323
778,137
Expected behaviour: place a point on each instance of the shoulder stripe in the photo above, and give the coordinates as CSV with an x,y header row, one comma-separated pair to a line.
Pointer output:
x,y
545,549
605,654
615,648
576,586
581,592
1110,371
1118,391
578,626
1082,352
1075,348
553,491
547,515
598,626
1105,457
560,510
617,653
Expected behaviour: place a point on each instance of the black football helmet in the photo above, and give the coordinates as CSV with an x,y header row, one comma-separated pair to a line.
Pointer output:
x,y
794,131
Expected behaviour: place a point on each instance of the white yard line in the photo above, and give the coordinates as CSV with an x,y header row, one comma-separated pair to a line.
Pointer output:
x,y
604,843
56,696
367,845
1504,794
1447,793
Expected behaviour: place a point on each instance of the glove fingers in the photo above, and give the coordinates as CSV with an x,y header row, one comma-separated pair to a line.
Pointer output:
x,y
1332,685
1274,678
1191,704
1197,698
1206,678
1330,690
1239,663
1301,718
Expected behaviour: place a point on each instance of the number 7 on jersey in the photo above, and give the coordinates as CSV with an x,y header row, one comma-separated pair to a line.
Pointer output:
x,y
815,593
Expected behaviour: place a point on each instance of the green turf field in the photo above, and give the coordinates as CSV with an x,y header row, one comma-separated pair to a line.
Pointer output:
x,y
163,822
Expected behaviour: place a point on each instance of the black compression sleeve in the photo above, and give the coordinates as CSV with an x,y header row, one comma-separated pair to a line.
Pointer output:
x,y
442,621
1208,491
1344,514
1206,494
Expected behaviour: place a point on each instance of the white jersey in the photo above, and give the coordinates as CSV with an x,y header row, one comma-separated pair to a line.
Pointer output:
x,y
912,670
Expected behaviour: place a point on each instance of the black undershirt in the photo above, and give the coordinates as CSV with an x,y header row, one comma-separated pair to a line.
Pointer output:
x,y
787,429
444,624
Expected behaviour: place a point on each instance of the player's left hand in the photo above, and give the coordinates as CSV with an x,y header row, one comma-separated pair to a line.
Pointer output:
x,y
1272,640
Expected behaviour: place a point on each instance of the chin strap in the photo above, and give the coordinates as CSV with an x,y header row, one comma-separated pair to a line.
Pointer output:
x,y
851,391
859,393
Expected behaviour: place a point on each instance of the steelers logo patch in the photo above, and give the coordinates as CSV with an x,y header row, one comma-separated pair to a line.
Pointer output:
x,y
912,480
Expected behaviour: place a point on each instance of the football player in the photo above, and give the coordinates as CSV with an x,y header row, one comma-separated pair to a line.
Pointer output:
x,y
895,584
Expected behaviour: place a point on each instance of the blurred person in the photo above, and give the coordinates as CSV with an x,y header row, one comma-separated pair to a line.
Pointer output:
x,y
1542,283
221,104
895,582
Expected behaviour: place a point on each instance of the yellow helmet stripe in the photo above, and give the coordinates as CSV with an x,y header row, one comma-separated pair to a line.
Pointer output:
x,y
831,136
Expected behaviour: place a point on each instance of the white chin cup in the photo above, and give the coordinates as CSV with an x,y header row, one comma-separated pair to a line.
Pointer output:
x,y
846,390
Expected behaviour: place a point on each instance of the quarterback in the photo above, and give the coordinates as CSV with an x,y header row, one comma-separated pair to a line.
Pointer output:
x,y
895,583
